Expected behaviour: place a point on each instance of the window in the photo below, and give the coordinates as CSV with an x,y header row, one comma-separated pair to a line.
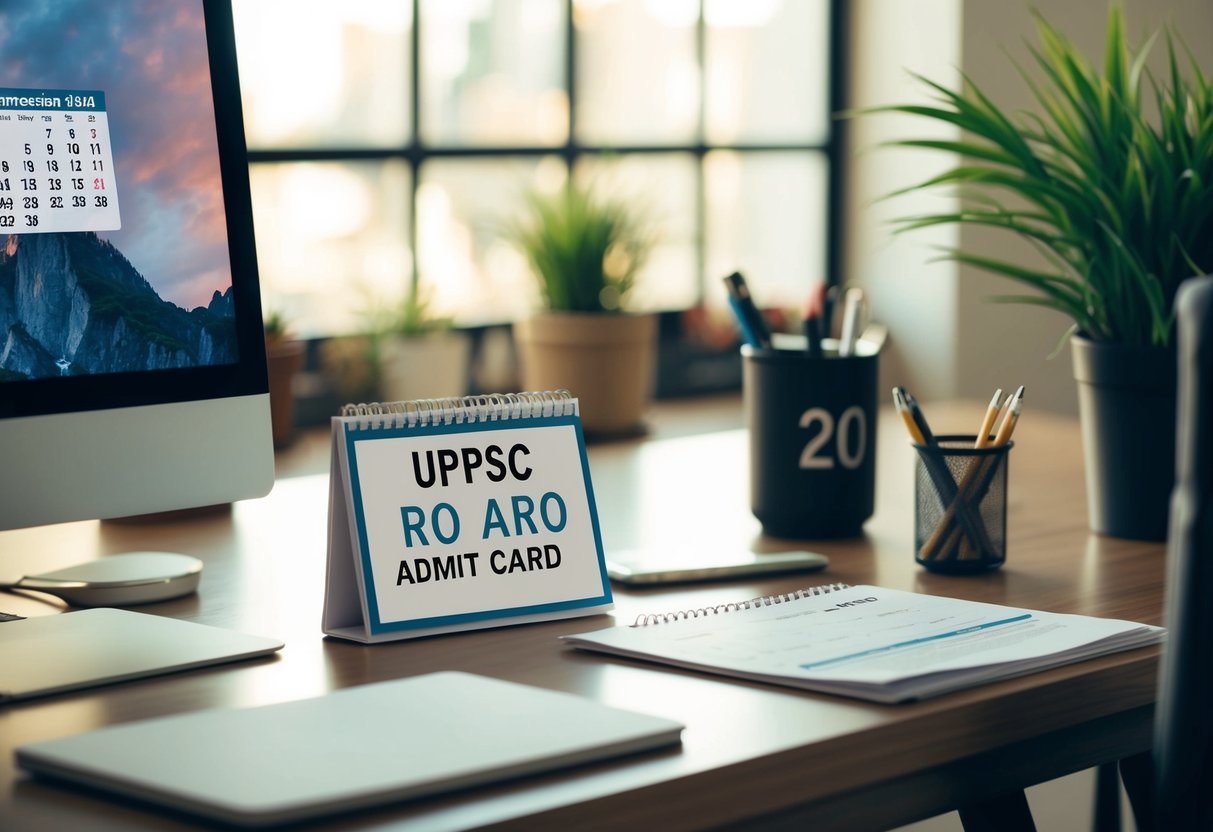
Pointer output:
x,y
391,141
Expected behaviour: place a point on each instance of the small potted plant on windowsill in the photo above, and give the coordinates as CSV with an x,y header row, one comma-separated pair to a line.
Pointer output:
x,y
420,353
585,250
284,357
1112,182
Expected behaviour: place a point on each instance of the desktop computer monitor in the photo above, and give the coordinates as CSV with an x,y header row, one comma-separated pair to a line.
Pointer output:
x,y
132,359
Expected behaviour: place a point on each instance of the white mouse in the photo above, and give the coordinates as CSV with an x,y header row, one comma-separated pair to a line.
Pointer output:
x,y
118,580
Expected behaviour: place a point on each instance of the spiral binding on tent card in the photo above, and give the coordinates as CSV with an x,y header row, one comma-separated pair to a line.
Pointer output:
x,y
651,619
453,411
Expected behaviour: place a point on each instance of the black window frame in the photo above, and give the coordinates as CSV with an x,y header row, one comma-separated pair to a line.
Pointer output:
x,y
415,153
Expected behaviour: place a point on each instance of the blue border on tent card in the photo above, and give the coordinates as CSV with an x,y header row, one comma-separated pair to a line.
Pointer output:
x,y
378,627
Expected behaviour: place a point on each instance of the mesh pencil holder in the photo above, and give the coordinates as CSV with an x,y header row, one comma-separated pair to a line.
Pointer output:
x,y
960,505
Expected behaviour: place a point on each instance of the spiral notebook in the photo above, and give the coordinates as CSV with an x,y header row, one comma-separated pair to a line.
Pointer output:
x,y
883,645
455,514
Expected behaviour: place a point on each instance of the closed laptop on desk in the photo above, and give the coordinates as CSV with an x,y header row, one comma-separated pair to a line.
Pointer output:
x,y
354,748
72,650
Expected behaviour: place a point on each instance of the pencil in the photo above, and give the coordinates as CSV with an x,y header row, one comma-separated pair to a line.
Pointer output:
x,y
1011,419
899,403
987,423
920,419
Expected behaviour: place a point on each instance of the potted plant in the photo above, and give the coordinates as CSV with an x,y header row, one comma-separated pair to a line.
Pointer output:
x,y
1112,182
419,353
585,250
284,359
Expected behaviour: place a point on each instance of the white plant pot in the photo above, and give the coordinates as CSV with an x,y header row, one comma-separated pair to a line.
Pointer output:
x,y
428,366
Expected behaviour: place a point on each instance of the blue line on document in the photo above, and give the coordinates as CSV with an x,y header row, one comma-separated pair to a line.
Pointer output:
x,y
915,641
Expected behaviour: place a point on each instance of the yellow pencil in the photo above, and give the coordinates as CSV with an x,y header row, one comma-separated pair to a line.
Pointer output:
x,y
987,423
1011,419
903,409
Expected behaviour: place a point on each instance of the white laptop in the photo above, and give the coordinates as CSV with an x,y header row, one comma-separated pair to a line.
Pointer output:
x,y
354,748
71,650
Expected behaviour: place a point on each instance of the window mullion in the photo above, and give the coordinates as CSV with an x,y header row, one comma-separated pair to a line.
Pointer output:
x,y
414,151
570,81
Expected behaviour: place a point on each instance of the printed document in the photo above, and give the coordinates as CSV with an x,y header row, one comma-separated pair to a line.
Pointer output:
x,y
864,641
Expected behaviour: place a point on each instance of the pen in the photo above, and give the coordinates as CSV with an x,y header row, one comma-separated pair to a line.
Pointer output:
x,y
813,310
827,312
749,319
852,310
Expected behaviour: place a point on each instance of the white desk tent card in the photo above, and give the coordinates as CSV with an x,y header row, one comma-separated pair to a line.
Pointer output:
x,y
458,514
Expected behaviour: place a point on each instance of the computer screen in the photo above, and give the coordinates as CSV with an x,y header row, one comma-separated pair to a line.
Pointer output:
x,y
132,360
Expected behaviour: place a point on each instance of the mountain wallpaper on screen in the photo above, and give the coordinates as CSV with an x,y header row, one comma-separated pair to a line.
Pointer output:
x,y
72,304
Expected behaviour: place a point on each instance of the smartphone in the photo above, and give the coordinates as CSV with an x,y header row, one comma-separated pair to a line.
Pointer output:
x,y
639,568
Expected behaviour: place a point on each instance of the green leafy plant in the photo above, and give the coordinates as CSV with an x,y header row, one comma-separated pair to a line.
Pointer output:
x,y
411,316
1112,181
276,325
415,316
585,248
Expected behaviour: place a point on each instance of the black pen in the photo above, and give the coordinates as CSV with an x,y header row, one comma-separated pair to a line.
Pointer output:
x,y
827,313
813,309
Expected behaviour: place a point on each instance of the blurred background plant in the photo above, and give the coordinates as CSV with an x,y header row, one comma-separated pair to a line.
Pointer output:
x,y
276,325
585,248
413,351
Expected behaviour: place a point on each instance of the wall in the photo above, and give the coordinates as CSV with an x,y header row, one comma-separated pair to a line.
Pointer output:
x,y
915,298
947,338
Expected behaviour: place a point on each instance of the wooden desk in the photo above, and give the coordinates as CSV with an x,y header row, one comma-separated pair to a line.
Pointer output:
x,y
752,754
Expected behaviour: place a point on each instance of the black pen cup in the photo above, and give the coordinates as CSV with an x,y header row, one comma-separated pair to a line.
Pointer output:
x,y
960,505
812,437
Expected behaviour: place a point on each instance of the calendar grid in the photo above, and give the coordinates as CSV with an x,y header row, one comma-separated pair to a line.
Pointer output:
x,y
56,162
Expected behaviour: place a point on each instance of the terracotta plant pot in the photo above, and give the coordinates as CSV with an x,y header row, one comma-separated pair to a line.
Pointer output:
x,y
284,359
606,361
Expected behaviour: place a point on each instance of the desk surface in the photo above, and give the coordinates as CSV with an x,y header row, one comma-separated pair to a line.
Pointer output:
x,y
750,751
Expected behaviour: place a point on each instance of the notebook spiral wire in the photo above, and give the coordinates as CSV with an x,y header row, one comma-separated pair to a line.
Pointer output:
x,y
650,619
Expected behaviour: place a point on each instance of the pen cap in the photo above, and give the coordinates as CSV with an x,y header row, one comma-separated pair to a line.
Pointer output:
x,y
812,440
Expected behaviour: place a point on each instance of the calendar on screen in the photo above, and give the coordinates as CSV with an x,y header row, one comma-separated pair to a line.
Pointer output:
x,y
56,162
100,101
